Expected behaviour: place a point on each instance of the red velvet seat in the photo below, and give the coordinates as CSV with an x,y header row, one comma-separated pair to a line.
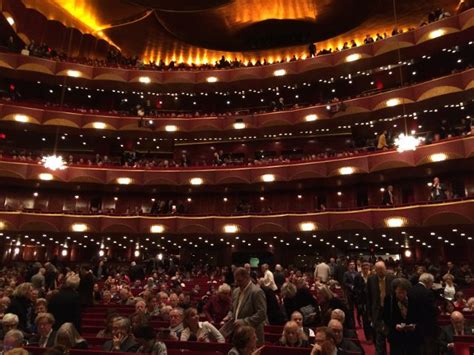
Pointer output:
x,y
463,344
198,346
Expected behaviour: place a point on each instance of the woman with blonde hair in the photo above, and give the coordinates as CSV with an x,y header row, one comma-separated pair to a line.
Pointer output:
x,y
194,330
449,289
293,336
22,306
68,336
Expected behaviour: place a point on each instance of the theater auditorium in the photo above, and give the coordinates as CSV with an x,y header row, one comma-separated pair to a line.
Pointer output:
x,y
237,177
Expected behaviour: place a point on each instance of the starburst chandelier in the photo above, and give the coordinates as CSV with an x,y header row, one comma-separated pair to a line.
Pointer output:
x,y
54,162
406,142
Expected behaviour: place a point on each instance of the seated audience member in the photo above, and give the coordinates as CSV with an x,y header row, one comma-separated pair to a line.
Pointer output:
x,y
324,342
449,290
293,336
122,340
342,343
397,318
456,328
13,339
218,306
140,307
176,322
45,336
55,350
244,342
41,306
107,331
146,338
470,305
9,322
4,304
297,317
138,319
68,336
329,301
106,297
194,330
459,300
382,141
341,317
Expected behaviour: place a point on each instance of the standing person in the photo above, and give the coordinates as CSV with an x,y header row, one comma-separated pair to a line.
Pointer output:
x,y
322,271
360,297
38,280
378,286
279,276
398,319
438,191
86,287
349,278
268,280
136,272
22,306
249,306
65,305
387,199
425,314
50,276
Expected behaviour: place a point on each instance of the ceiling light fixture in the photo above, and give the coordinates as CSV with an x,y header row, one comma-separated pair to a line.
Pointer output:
x,y
347,170
22,118
144,79
437,33
268,178
406,142
395,222
79,227
99,125
438,157
171,128
353,57
124,181
196,181
45,176
231,228
310,118
54,162
307,226
212,79
279,72
157,228
73,73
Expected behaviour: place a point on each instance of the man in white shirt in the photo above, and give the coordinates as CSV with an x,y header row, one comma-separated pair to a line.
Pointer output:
x,y
322,271
268,279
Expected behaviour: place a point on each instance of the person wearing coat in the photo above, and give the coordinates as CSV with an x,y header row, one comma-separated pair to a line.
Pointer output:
x,y
249,306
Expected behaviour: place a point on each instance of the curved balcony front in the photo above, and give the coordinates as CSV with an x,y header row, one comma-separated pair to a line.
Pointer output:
x,y
434,33
425,215
387,101
457,148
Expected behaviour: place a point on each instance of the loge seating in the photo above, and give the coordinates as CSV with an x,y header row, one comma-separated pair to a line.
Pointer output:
x,y
463,345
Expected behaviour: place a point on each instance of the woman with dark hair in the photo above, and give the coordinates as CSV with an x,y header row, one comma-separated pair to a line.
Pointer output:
x,y
397,316
145,335
194,330
244,342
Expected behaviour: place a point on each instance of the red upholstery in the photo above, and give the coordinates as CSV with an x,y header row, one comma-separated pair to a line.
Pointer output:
x,y
462,344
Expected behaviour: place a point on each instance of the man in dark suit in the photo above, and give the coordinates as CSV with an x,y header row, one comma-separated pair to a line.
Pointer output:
x,y
343,344
424,312
122,340
46,335
360,296
65,305
136,272
456,328
387,199
438,190
348,279
249,306
378,286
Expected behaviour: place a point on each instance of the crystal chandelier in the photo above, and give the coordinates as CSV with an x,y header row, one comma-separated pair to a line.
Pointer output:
x,y
54,162
406,142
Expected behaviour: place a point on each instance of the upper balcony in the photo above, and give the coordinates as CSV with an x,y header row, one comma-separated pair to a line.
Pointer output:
x,y
458,148
437,34
386,102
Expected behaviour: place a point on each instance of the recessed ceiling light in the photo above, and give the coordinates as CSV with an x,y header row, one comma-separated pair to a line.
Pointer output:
x,y
279,72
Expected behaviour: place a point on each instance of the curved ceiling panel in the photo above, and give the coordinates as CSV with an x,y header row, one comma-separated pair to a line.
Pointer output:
x,y
180,5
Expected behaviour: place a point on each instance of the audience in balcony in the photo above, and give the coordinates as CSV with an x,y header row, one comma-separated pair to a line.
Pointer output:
x,y
438,190
387,199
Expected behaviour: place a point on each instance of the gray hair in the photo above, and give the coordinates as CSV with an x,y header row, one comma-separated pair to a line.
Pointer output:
x,y
224,288
338,314
426,278
18,337
124,323
10,318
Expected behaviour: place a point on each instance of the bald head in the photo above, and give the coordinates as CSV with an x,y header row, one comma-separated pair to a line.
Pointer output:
x,y
380,269
457,320
337,329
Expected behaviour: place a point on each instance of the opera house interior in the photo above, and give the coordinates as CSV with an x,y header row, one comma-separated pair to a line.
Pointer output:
x,y
237,177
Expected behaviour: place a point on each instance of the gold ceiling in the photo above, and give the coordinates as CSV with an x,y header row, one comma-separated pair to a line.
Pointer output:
x,y
169,30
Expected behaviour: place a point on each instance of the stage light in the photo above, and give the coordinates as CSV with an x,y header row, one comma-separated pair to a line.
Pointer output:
x,y
22,118
438,157
157,228
171,128
395,222
196,181
79,227
231,228
45,177
268,178
73,73
99,125
347,170
353,57
307,226
393,102
124,181
279,72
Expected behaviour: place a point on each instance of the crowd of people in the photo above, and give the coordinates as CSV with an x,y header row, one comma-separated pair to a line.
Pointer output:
x,y
43,305
115,58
